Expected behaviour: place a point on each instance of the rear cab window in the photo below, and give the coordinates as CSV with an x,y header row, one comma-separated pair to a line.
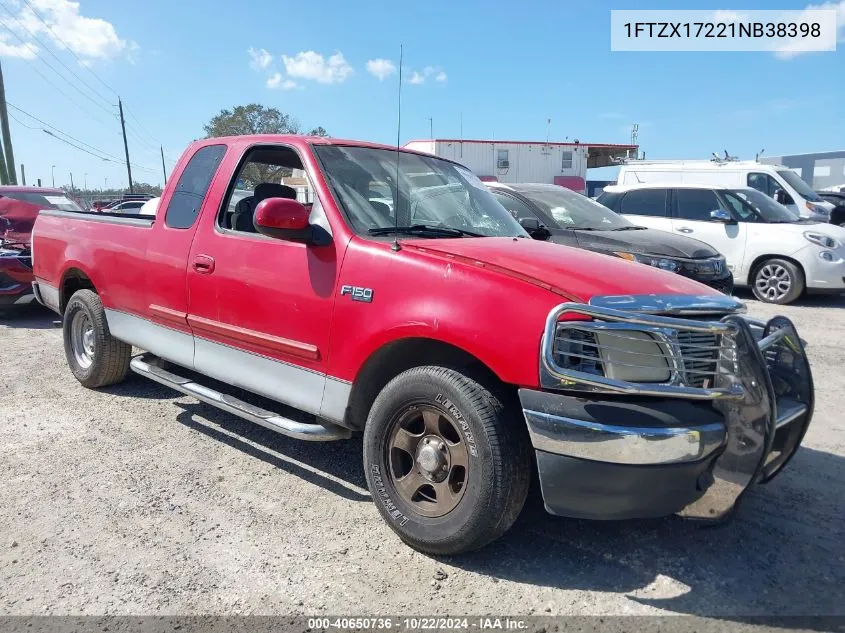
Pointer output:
x,y
650,202
193,184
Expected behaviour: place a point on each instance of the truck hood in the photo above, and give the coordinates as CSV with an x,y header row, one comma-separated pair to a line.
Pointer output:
x,y
574,273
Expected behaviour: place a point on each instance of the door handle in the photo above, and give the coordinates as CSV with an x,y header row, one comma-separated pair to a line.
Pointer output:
x,y
684,229
204,264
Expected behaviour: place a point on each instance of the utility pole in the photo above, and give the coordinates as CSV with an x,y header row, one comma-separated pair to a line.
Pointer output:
x,y
85,180
548,130
125,144
23,175
53,175
7,138
431,128
71,180
163,168
4,178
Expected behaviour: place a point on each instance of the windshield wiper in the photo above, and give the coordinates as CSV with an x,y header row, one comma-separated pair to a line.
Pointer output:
x,y
424,230
629,228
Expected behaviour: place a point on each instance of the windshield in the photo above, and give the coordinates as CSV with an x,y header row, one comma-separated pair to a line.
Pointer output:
x,y
572,210
44,200
799,185
749,204
431,192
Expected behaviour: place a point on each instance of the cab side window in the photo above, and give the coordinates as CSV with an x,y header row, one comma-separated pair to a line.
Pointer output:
x,y
650,202
696,204
517,208
186,202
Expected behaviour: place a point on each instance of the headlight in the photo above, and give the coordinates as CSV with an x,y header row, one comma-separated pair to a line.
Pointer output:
x,y
822,240
632,356
663,263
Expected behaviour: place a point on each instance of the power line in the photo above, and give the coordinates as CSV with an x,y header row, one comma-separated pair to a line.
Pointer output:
x,y
54,86
110,157
56,57
156,143
44,61
142,128
70,50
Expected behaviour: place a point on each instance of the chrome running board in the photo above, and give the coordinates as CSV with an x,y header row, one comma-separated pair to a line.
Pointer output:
x,y
147,365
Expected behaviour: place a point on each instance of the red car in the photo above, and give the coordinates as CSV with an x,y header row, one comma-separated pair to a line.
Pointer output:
x,y
403,302
19,207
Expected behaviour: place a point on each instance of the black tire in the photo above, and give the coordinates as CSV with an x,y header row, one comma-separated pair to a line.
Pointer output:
x,y
498,472
780,269
104,360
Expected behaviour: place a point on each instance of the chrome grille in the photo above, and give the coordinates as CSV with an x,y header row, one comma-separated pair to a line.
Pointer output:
x,y
701,353
691,358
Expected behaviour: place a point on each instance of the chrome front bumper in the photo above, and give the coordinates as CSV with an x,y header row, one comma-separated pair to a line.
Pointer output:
x,y
742,430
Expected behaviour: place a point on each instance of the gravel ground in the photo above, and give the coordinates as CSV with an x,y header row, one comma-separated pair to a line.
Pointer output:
x,y
133,500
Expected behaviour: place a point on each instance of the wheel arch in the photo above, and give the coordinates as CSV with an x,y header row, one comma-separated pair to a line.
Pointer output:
x,y
73,279
391,359
752,270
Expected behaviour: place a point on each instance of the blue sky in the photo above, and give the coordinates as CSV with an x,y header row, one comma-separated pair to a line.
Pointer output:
x,y
506,69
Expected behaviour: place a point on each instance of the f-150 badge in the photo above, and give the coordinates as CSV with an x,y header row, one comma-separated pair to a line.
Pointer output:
x,y
357,293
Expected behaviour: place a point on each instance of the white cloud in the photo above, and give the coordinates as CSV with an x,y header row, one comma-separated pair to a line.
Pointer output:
x,y
313,66
788,51
22,51
381,68
728,16
90,38
274,80
260,59
289,84
418,78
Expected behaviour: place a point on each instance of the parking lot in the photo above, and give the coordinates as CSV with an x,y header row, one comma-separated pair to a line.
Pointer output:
x,y
134,500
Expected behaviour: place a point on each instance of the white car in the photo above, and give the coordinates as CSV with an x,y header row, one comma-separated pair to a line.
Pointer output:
x,y
767,246
779,183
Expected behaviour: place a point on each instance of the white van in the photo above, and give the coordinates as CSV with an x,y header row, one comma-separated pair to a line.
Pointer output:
x,y
766,246
779,183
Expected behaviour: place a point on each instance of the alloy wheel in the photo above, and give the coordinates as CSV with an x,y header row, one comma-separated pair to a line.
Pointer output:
x,y
427,459
773,282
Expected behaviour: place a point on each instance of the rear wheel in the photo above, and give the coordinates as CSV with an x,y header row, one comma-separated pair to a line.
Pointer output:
x,y
447,463
94,356
777,281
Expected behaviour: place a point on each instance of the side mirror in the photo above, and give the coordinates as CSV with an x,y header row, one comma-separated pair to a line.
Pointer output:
x,y
283,218
720,215
533,227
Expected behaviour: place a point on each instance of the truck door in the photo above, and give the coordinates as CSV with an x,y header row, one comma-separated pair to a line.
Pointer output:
x,y
260,307
165,331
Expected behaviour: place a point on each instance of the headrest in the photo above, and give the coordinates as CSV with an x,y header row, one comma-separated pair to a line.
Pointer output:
x,y
242,217
266,190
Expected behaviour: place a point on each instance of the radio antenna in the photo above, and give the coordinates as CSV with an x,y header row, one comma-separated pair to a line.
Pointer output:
x,y
396,246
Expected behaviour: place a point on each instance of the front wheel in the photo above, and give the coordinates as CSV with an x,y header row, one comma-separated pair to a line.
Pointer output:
x,y
777,281
447,463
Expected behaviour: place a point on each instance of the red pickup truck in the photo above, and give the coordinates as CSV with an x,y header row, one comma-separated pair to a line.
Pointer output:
x,y
392,295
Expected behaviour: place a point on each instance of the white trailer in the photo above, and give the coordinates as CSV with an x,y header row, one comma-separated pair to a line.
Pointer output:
x,y
563,164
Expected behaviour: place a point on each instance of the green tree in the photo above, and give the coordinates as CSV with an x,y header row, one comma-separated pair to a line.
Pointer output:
x,y
254,118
